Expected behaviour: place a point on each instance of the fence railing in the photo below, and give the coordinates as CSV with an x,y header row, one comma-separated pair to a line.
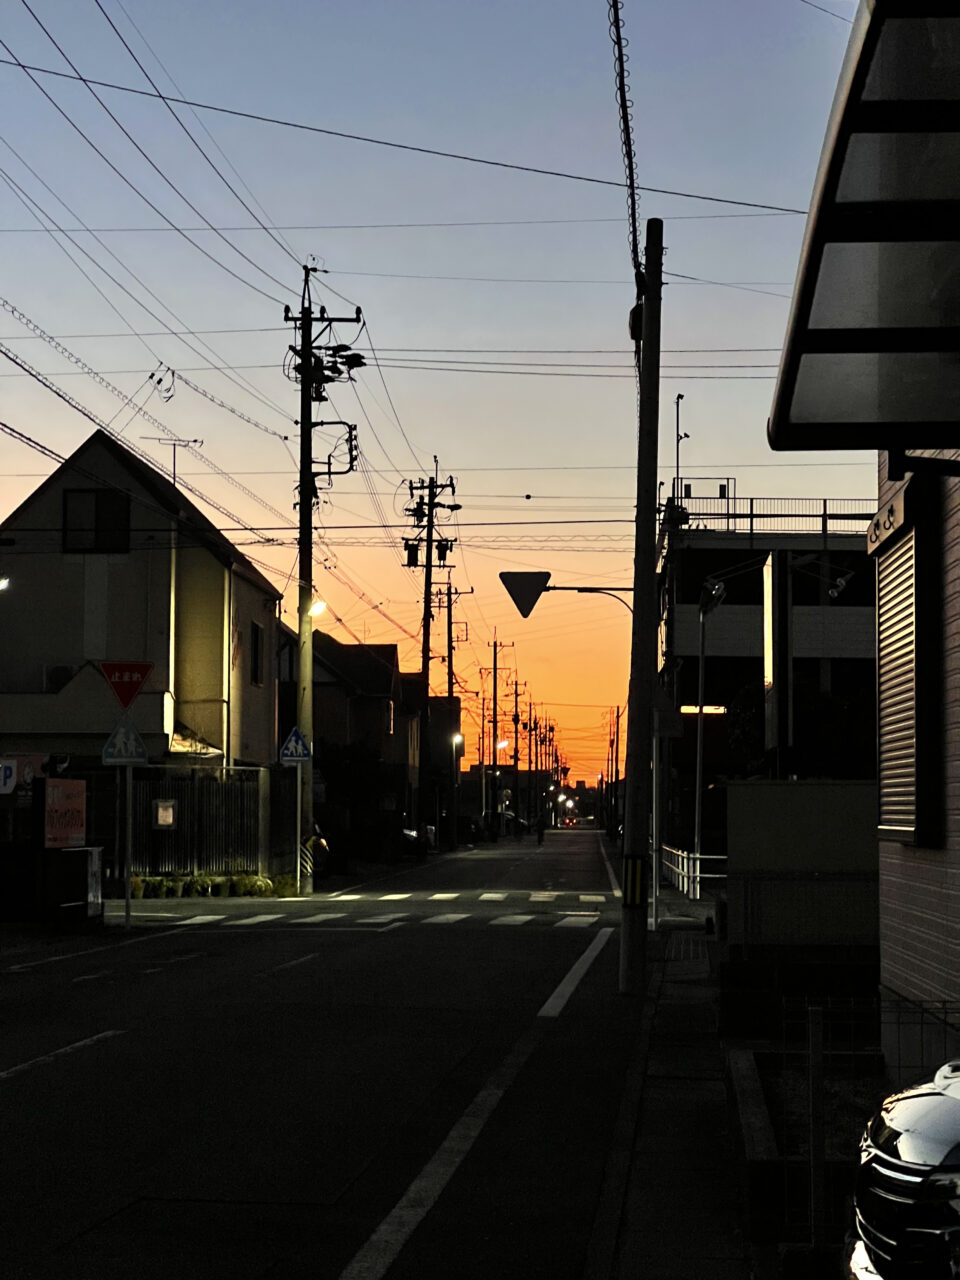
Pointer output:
x,y
685,870
779,515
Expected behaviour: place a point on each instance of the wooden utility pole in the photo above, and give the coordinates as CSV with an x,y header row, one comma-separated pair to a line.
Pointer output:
x,y
307,493
638,797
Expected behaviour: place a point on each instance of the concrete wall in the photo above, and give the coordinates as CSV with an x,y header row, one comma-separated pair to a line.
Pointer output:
x,y
201,647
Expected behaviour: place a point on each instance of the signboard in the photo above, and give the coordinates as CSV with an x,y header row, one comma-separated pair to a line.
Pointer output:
x,y
124,746
65,813
8,776
295,749
126,679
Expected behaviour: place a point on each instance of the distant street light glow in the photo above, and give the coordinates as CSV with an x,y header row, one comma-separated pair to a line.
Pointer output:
x,y
707,710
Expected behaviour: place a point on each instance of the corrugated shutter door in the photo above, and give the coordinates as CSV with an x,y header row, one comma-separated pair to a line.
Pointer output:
x,y
896,689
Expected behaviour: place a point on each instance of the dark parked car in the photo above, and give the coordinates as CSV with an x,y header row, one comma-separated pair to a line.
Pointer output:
x,y
907,1199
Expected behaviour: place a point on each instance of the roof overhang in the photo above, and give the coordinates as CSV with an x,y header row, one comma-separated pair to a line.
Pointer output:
x,y
871,358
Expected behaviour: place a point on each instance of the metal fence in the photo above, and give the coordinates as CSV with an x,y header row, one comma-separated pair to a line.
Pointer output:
x,y
780,515
219,821
686,871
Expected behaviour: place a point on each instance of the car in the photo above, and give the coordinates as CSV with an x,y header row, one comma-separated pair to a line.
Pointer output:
x,y
907,1197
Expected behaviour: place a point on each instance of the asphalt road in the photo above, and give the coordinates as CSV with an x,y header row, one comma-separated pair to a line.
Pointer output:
x,y
417,1076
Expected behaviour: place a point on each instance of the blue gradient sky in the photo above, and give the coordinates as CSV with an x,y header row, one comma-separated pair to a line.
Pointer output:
x,y
730,100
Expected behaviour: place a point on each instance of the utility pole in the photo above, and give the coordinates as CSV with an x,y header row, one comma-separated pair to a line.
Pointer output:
x,y
516,751
531,735
496,645
423,510
314,370
686,436
616,774
638,797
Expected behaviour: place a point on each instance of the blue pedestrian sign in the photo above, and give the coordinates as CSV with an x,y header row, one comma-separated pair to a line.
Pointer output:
x,y
295,749
124,746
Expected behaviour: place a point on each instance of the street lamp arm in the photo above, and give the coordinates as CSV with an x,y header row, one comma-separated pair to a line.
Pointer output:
x,y
598,591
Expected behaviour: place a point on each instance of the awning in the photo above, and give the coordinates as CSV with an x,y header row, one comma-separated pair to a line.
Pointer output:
x,y
872,353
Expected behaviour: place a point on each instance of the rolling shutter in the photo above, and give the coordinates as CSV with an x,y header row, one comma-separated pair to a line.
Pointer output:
x,y
896,689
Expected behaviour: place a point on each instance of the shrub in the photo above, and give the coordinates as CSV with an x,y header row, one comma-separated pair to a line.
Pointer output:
x,y
154,887
136,886
197,886
173,887
222,886
285,886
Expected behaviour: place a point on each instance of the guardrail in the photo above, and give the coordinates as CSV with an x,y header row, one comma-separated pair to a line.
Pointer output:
x,y
685,871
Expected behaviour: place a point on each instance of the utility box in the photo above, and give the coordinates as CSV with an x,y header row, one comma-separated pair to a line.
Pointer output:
x,y
69,886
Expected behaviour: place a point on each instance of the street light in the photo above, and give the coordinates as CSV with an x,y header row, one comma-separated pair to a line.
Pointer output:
x,y
4,583
317,608
711,594
684,436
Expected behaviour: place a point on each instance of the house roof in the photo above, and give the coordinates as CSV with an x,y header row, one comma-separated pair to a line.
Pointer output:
x,y
369,668
165,494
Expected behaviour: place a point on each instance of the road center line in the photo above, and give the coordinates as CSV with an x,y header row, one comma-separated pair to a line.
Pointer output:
x,y
376,1257
565,990
57,1053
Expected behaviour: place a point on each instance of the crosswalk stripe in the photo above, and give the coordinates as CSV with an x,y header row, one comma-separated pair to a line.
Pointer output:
x,y
542,897
593,897
324,915
511,919
450,918
492,897
385,915
394,897
256,919
577,922
443,897
203,919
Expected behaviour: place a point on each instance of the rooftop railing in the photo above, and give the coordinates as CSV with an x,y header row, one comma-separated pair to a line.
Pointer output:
x,y
776,515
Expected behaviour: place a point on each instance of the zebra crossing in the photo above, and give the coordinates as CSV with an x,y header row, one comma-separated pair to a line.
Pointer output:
x,y
502,908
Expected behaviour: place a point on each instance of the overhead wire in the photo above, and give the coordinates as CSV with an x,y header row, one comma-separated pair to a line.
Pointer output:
x,y
153,165
400,146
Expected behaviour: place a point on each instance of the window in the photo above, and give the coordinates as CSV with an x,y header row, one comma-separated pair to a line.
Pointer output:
x,y
256,653
96,520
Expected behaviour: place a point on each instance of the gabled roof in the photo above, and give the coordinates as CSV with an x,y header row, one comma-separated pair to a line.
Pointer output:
x,y
162,492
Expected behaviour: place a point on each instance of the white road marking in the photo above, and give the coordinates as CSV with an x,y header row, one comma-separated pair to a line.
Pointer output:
x,y
386,915
324,915
511,919
203,919
542,897
577,922
593,897
618,893
493,897
375,1258
256,919
443,897
290,963
554,1006
449,918
395,897
57,1053
89,977
345,897
151,936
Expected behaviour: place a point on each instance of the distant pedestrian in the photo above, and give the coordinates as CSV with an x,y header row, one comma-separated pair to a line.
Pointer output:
x,y
541,827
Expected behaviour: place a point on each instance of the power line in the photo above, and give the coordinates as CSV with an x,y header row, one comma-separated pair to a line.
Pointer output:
x,y
122,176
399,146
840,16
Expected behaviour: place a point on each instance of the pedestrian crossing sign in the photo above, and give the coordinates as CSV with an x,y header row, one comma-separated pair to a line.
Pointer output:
x,y
124,746
295,749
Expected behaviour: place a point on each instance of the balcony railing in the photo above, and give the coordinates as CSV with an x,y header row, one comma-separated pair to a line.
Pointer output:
x,y
776,515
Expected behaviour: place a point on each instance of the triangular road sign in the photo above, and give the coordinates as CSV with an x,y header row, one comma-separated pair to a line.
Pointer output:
x,y
124,746
295,749
525,589
126,679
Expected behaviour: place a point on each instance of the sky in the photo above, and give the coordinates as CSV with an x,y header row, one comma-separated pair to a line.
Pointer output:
x,y
496,300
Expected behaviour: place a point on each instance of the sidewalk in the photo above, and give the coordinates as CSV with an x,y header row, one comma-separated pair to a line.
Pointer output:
x,y
672,1205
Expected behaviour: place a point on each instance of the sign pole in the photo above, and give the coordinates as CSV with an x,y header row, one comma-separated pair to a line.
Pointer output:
x,y
128,860
299,816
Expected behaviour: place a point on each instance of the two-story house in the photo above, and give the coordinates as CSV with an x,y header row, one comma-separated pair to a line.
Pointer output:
x,y
110,561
